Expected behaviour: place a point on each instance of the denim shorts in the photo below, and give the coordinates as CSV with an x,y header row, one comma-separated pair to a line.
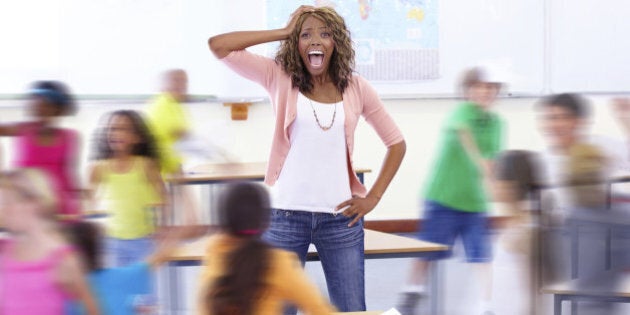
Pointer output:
x,y
122,252
443,225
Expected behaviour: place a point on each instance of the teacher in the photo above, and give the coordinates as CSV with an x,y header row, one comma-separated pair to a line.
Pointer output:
x,y
317,99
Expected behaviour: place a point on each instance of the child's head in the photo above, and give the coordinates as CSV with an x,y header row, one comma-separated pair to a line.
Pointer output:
x,y
481,85
86,237
50,99
125,133
27,194
518,175
561,118
244,209
175,82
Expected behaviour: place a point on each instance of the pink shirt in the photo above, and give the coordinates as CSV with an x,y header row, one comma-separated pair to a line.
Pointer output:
x,y
57,159
30,287
359,99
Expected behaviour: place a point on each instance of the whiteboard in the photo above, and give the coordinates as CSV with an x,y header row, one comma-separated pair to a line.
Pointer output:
x,y
111,47
118,47
590,46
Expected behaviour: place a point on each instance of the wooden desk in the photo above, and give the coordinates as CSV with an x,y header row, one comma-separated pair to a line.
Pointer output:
x,y
378,245
608,287
360,313
215,174
571,291
225,172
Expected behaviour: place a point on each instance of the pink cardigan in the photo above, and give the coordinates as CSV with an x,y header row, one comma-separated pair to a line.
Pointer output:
x,y
359,99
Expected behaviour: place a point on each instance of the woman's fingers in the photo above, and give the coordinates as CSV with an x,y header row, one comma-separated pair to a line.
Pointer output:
x,y
356,207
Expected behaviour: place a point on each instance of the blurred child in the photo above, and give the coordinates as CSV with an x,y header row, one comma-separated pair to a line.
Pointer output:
x,y
577,165
169,124
39,270
127,172
42,144
517,176
244,275
456,195
118,290
572,155
168,119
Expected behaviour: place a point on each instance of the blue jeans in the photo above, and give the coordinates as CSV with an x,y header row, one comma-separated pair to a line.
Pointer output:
x,y
120,252
340,249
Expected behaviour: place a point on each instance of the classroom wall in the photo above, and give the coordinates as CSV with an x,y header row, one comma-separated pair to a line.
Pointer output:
x,y
420,121
119,47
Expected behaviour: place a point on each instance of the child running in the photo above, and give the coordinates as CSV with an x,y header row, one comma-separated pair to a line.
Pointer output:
x,y
126,171
118,290
39,270
456,197
42,144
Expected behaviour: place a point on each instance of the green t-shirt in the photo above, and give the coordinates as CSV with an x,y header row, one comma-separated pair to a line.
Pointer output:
x,y
456,181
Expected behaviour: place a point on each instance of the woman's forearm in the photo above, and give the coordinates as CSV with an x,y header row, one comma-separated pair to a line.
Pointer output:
x,y
221,45
391,163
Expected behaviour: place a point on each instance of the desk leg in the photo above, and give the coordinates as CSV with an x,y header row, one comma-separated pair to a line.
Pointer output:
x,y
173,283
210,195
557,304
608,248
435,275
575,239
213,201
205,210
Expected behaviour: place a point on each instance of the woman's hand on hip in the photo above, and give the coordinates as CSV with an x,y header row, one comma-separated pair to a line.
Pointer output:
x,y
357,207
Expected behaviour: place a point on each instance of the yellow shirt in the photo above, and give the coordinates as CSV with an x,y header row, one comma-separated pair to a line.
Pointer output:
x,y
167,121
128,197
285,280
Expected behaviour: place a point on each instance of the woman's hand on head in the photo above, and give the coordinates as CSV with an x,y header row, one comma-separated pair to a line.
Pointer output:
x,y
357,207
295,15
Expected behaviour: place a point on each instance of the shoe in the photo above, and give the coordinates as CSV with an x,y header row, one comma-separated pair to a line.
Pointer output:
x,y
409,303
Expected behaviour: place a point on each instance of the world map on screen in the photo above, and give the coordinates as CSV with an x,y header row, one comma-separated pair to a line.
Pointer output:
x,y
394,40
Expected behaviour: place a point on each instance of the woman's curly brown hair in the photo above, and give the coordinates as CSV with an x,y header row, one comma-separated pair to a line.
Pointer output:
x,y
342,60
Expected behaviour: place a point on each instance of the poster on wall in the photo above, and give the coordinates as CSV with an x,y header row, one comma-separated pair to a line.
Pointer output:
x,y
394,40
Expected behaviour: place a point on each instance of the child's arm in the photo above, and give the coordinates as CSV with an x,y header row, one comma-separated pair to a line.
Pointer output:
x,y
154,177
471,148
169,244
95,178
11,129
485,165
72,276
157,181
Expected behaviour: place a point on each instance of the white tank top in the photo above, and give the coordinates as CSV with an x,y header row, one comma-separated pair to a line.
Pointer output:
x,y
314,176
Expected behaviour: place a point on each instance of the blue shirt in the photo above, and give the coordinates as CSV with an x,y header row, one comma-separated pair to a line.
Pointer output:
x,y
116,288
